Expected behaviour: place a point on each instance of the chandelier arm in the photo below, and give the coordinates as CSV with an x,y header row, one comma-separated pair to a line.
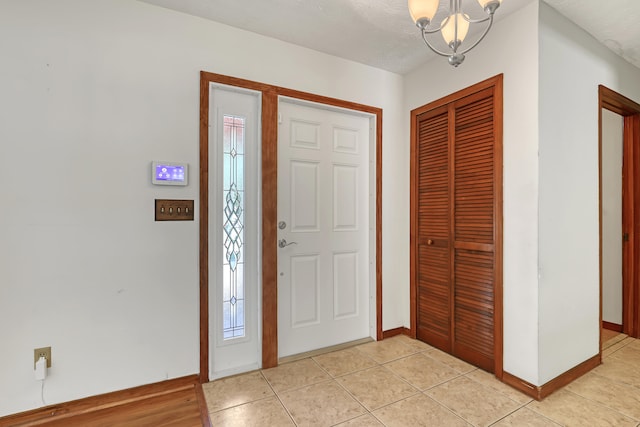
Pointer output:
x,y
435,30
424,38
476,21
481,37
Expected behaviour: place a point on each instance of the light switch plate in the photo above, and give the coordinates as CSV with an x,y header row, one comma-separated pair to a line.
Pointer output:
x,y
174,210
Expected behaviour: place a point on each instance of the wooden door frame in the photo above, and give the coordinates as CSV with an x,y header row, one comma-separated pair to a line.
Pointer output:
x,y
630,111
496,83
269,144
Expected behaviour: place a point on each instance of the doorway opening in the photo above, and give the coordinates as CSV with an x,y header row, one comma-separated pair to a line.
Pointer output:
x,y
627,113
268,207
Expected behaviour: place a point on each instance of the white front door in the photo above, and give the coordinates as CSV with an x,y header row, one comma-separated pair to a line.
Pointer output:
x,y
326,239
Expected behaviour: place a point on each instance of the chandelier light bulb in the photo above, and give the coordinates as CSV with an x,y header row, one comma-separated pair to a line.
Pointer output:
x,y
449,29
423,11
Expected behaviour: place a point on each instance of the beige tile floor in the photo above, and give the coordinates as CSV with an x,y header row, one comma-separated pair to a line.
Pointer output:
x,y
404,382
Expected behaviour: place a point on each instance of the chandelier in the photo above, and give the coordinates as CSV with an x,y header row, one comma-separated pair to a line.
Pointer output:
x,y
453,28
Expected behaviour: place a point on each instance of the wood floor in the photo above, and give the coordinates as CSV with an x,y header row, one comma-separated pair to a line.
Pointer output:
x,y
171,403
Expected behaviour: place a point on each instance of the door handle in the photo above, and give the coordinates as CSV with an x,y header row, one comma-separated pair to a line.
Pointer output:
x,y
429,242
282,243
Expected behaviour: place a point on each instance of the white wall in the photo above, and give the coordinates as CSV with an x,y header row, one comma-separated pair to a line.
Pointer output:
x,y
612,134
572,65
510,48
91,93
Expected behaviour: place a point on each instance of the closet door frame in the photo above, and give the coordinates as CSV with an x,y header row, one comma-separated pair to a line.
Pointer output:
x,y
496,84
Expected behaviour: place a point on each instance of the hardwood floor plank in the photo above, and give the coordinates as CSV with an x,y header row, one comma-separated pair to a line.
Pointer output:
x,y
169,403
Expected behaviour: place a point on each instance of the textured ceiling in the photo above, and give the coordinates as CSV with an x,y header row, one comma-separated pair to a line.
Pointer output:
x,y
381,33
616,24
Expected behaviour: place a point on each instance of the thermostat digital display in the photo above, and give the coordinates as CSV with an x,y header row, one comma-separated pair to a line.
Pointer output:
x,y
168,173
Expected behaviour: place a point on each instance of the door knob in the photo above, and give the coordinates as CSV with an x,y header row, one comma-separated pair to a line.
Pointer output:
x,y
282,243
429,242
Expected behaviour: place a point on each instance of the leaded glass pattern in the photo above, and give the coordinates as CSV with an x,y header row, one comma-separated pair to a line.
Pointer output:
x,y
233,227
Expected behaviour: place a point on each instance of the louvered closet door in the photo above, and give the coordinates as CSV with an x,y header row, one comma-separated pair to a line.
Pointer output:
x,y
473,218
455,236
433,230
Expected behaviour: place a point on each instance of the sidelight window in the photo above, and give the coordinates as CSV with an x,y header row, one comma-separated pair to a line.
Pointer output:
x,y
233,227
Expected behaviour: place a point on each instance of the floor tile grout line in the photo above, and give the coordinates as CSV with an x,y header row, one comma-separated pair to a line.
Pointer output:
x,y
580,396
347,373
494,389
279,400
529,407
243,403
601,404
355,398
612,352
612,380
451,411
302,386
448,409
511,413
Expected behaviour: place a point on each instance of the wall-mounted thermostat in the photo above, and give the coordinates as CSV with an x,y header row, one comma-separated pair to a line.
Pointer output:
x,y
169,173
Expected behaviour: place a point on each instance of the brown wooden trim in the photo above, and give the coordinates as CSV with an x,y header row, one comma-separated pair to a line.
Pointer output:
x,y
611,326
630,111
467,95
270,96
498,114
326,100
521,385
463,93
413,221
571,375
628,248
202,404
620,104
600,275
396,331
540,392
378,114
269,229
632,139
631,224
92,404
204,229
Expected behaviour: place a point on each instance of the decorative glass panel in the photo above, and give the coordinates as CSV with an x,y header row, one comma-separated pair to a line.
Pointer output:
x,y
233,227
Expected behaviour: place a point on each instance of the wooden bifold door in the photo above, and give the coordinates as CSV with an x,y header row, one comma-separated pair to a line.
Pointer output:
x,y
456,227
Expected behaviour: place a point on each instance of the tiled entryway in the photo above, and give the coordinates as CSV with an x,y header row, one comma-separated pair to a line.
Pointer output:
x,y
404,382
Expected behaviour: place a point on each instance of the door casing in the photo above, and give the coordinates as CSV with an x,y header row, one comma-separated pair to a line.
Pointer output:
x,y
269,140
630,111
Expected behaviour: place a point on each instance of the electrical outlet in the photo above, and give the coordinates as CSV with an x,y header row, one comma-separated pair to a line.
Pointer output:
x,y
44,351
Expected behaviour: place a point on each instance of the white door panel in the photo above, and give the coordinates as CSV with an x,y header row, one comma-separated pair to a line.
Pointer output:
x,y
324,199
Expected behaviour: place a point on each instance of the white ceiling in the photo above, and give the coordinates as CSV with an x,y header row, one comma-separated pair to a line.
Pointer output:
x,y
381,33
